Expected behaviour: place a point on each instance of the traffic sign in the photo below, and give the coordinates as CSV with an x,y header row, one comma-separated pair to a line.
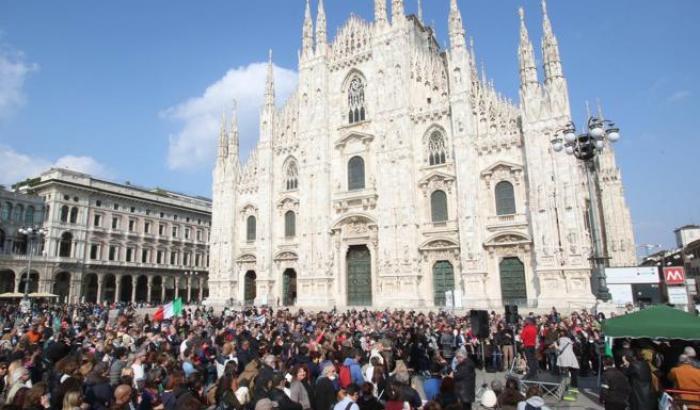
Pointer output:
x,y
674,275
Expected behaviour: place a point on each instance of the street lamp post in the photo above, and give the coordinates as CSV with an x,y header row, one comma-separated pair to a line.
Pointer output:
x,y
190,275
585,147
32,233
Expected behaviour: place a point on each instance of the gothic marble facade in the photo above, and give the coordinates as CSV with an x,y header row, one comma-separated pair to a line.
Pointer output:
x,y
396,171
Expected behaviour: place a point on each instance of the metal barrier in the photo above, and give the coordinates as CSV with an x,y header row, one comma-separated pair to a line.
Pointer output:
x,y
683,399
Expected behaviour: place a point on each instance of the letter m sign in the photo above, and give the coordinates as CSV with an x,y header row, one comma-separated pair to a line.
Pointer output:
x,y
674,275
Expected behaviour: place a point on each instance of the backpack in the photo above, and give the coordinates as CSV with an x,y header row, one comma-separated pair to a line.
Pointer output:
x,y
344,376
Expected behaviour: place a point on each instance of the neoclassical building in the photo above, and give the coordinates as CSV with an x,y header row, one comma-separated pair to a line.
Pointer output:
x,y
105,241
396,172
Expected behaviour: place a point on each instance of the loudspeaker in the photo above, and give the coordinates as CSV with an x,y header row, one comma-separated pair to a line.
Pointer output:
x,y
480,323
511,314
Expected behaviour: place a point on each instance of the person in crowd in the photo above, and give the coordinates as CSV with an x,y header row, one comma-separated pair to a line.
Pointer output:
x,y
465,379
615,389
349,401
367,399
533,400
73,400
642,396
528,337
566,358
509,398
686,376
325,389
300,389
448,395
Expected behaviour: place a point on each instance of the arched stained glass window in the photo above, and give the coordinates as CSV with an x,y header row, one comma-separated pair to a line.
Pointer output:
x,y
505,198
356,173
438,206
250,228
356,101
437,148
290,222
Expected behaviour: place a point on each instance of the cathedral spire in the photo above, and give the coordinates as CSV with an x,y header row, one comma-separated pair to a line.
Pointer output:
x,y
380,11
420,11
223,141
550,48
526,54
456,28
233,134
398,12
270,84
307,43
321,29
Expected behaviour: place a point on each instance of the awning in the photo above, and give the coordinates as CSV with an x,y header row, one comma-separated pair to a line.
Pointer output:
x,y
656,322
42,295
10,295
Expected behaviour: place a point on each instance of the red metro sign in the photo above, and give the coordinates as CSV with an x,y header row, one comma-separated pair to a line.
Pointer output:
x,y
674,275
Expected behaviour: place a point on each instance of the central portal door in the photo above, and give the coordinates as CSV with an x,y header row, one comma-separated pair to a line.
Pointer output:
x,y
249,288
289,287
359,268
513,286
443,280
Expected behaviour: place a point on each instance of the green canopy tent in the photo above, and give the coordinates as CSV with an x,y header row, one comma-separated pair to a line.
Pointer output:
x,y
656,322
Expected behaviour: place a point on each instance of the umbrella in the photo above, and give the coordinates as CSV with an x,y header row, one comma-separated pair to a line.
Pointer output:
x,y
42,295
654,322
10,295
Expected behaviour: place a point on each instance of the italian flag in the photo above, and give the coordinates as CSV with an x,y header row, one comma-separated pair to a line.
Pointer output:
x,y
173,308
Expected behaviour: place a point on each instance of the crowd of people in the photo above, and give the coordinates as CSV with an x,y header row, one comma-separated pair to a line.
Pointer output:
x,y
81,357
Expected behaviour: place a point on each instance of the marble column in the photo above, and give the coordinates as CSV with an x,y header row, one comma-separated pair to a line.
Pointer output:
x,y
163,281
189,289
117,287
134,282
200,290
177,287
100,283
150,288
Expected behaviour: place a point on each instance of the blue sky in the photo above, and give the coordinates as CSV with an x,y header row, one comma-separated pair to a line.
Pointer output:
x,y
133,90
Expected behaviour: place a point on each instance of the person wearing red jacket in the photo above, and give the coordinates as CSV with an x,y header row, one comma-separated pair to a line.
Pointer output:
x,y
529,338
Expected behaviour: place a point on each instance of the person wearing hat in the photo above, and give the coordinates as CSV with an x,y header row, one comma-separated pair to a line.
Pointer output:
x,y
685,376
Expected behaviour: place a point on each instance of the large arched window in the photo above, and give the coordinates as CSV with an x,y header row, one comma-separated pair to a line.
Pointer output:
x,y
505,198
292,176
290,222
17,216
64,213
64,248
29,215
74,215
2,241
6,211
356,173
438,206
250,228
356,100
437,148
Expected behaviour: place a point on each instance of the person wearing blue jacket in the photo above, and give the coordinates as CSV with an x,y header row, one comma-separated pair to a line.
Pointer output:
x,y
355,370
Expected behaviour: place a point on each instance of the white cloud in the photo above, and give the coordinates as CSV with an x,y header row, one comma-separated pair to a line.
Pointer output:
x,y
679,96
18,166
195,144
13,72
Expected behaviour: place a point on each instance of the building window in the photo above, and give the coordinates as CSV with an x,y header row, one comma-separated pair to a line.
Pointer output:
x,y
98,203
115,223
438,206
250,228
197,259
144,256
161,229
356,101
356,173
174,231
132,225
199,236
112,253
29,215
292,176
187,233
6,211
159,257
129,254
66,245
173,258
133,209
97,220
74,215
64,213
437,149
290,224
19,210
505,198
116,207
94,251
